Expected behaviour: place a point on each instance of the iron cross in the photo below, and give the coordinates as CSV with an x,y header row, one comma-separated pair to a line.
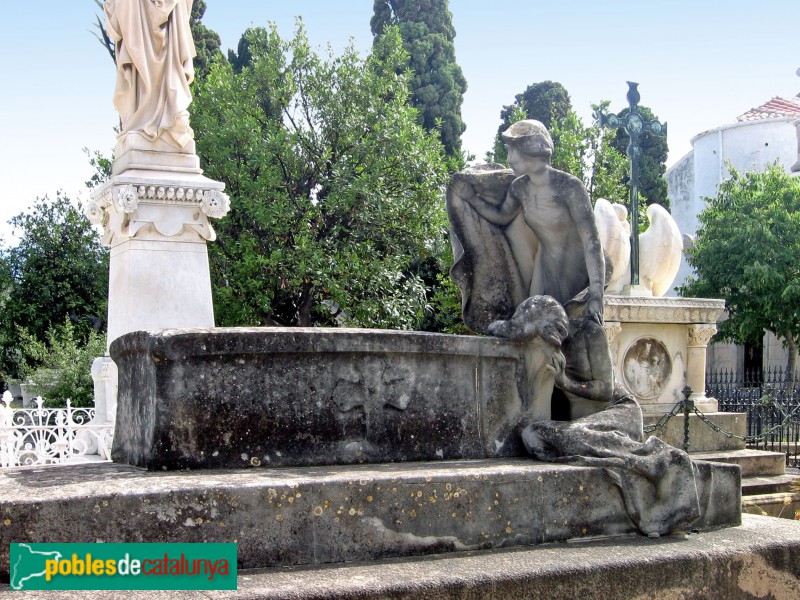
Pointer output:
x,y
634,125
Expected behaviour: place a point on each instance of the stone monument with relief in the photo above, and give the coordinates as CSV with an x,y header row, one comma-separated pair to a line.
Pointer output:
x,y
155,209
322,446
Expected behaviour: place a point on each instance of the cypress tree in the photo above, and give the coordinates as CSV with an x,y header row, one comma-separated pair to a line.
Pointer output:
x,y
438,85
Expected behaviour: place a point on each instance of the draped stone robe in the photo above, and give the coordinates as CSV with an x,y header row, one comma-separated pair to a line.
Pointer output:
x,y
154,50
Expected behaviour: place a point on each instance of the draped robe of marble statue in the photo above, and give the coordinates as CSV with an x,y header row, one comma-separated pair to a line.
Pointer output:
x,y
154,51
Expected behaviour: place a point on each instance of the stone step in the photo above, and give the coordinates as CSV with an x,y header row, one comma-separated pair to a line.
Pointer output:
x,y
753,462
702,437
762,553
320,515
779,504
754,486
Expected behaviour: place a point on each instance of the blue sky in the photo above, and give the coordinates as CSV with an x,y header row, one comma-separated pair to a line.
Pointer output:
x,y
699,64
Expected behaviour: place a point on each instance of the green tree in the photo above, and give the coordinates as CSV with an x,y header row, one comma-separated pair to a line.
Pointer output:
x,y
437,83
547,101
335,189
609,168
206,41
748,252
64,364
584,151
652,165
571,145
57,269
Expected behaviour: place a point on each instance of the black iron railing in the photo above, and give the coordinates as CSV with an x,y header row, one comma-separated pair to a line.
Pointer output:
x,y
772,403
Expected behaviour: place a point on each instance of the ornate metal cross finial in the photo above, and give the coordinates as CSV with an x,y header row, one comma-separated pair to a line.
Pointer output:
x,y
634,125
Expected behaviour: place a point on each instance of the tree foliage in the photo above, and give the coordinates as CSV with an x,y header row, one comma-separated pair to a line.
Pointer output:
x,y
748,252
57,269
652,165
335,189
547,101
588,152
437,83
63,362
609,169
206,41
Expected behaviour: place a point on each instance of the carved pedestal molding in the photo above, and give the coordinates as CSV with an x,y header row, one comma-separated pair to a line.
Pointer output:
x,y
158,205
157,222
662,310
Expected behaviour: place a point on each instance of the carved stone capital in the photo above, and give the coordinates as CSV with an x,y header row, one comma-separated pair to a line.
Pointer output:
x,y
700,335
612,329
156,205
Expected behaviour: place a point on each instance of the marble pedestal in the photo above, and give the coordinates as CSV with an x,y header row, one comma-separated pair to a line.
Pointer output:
x,y
155,212
658,346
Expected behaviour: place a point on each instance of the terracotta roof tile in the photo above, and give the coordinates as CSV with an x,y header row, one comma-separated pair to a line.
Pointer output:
x,y
777,107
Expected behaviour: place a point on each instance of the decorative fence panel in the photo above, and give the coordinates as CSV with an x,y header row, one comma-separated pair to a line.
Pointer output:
x,y
772,404
48,436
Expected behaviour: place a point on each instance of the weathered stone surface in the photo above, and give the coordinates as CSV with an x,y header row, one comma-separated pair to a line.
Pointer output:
x,y
278,397
541,231
660,486
759,559
317,515
701,437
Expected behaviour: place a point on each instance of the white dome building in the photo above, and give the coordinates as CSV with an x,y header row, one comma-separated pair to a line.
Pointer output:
x,y
758,138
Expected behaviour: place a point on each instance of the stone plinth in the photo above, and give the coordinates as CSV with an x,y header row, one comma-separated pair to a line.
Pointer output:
x,y
319,515
758,559
156,222
266,397
703,438
658,346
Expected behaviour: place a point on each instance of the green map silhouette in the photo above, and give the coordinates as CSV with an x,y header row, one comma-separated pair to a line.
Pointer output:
x,y
27,563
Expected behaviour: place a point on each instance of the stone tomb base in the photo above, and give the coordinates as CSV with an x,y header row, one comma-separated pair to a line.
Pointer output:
x,y
322,515
284,397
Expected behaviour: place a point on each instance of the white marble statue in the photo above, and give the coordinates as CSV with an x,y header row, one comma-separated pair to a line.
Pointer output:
x,y
660,247
154,50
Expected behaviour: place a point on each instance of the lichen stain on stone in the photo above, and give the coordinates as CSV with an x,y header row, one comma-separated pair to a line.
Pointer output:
x,y
167,514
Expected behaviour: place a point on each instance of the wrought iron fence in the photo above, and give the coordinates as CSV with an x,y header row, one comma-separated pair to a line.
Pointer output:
x,y
772,403
47,436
